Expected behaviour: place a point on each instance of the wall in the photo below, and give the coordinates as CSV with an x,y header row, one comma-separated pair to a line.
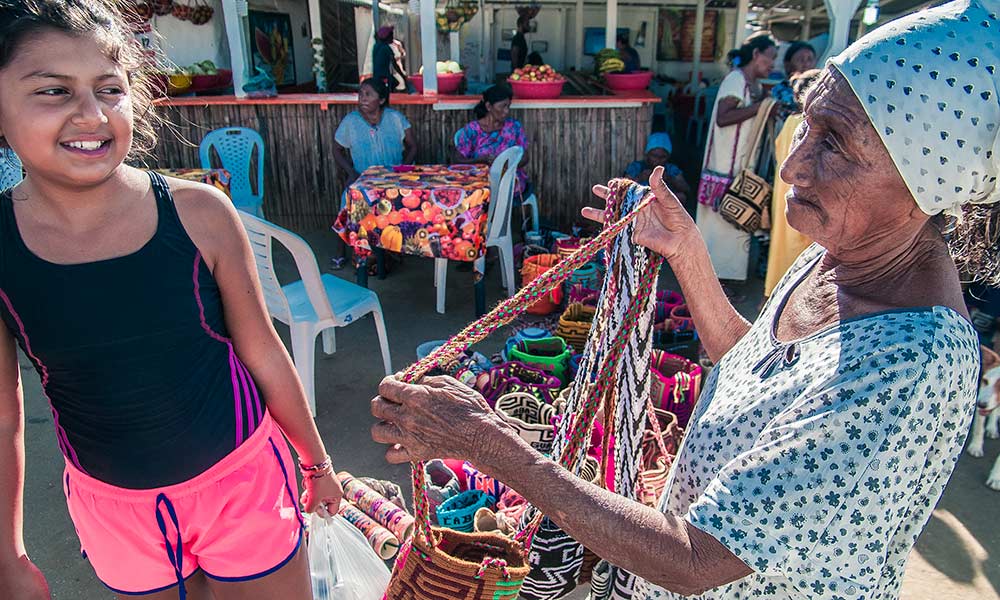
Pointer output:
x,y
184,43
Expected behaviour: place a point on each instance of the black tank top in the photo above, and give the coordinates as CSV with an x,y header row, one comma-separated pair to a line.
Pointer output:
x,y
133,352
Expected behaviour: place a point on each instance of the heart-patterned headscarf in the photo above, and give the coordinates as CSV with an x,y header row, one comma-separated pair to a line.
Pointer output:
x,y
929,84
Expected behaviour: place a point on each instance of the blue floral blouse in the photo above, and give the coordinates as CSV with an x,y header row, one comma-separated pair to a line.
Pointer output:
x,y
818,462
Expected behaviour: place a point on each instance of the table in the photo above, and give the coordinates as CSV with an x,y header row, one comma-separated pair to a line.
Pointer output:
x,y
434,211
215,177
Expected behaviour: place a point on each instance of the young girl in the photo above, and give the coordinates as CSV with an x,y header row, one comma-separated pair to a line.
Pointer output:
x,y
137,301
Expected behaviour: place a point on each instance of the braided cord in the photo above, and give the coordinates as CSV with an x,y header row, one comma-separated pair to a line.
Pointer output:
x,y
508,309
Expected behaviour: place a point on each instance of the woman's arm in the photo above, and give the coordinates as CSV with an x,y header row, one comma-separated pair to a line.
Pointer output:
x,y
409,146
666,227
215,227
19,578
664,549
342,157
729,112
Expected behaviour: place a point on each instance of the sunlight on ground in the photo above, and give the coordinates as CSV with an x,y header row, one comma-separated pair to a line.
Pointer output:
x,y
924,580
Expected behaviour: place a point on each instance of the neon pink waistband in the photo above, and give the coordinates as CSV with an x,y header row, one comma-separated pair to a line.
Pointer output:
x,y
239,457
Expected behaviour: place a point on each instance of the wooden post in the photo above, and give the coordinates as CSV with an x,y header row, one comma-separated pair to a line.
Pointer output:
x,y
611,33
840,13
807,17
742,8
455,45
376,15
578,37
234,12
699,25
428,46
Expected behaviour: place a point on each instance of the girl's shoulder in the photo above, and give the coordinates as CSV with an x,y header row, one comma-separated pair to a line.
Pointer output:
x,y
512,123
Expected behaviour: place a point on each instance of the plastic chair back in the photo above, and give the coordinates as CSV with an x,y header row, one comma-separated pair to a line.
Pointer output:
x,y
503,176
262,233
10,169
236,151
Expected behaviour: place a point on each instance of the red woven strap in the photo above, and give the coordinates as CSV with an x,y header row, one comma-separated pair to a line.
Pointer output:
x,y
505,312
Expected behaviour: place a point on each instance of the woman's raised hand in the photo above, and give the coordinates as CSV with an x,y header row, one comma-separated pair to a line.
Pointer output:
x,y
664,226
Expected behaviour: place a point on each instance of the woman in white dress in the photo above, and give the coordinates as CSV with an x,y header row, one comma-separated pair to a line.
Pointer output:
x,y
829,427
728,142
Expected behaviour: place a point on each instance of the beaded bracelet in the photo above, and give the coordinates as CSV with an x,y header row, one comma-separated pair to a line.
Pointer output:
x,y
319,473
327,464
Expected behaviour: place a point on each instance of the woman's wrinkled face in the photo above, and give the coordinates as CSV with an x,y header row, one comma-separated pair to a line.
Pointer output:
x,y
66,108
500,110
368,100
803,61
845,190
763,62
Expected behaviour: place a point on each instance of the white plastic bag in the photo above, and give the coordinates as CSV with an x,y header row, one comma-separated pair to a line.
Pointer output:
x,y
343,565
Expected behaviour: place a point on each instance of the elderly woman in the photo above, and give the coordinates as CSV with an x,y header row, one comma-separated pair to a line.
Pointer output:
x,y
829,427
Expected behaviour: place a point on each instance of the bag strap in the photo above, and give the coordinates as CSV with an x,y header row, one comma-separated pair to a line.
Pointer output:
x,y
759,126
503,314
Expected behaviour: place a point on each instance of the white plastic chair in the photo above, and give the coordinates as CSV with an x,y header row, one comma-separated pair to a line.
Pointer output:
x,y
10,169
312,305
503,175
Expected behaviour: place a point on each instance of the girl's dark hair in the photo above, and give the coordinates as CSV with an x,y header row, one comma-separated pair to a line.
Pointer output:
x,y
793,49
380,88
760,41
497,93
22,20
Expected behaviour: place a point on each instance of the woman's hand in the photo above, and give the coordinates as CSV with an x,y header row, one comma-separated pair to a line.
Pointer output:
x,y
322,495
664,226
23,580
439,418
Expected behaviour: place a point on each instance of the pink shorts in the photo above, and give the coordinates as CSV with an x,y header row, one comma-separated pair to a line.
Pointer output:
x,y
237,521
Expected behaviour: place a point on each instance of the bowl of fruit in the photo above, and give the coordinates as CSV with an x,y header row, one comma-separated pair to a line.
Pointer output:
x,y
449,76
204,75
536,82
627,82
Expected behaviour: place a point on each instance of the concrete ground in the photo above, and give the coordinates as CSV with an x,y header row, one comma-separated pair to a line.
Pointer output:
x,y
957,557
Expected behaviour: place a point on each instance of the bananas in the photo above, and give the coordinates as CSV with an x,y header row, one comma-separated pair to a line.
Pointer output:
x,y
608,61
612,65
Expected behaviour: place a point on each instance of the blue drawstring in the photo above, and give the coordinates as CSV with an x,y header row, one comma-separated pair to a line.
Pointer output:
x,y
174,553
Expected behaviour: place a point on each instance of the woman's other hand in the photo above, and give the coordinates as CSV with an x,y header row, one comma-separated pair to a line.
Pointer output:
x,y
22,580
664,226
437,418
322,495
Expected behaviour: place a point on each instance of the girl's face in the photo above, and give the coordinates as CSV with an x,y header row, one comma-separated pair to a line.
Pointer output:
x,y
500,110
66,108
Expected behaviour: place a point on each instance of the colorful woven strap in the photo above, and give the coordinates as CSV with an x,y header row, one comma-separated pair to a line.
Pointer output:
x,y
510,308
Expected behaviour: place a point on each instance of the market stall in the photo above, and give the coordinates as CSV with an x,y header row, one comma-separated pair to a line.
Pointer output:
x,y
303,185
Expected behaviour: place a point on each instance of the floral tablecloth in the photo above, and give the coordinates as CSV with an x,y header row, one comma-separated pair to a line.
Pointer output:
x,y
437,211
215,177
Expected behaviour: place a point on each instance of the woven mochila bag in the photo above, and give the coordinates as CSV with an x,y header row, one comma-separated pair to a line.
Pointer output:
x,y
438,564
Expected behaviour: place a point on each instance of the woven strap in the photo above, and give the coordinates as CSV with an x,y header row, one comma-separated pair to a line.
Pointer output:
x,y
503,314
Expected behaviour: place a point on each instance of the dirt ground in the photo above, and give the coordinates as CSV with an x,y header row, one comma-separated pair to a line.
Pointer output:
x,y
957,557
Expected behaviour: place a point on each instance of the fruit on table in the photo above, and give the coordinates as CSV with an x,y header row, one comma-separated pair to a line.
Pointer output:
x,y
445,66
608,61
205,67
541,73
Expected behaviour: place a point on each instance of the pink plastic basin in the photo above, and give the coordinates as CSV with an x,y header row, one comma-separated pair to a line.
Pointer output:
x,y
447,82
536,90
624,82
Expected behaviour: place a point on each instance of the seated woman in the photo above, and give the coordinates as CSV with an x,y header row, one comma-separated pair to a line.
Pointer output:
x,y
373,135
491,132
658,149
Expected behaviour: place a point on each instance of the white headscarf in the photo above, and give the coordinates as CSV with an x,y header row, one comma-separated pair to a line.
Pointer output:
x,y
930,83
